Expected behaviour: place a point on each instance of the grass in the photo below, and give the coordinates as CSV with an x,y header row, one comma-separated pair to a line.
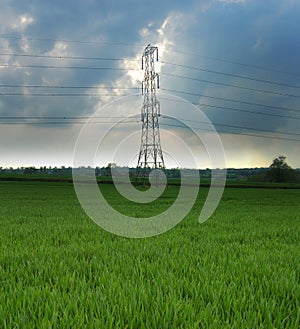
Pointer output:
x,y
58,269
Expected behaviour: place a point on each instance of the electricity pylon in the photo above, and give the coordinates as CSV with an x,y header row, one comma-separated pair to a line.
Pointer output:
x,y
150,155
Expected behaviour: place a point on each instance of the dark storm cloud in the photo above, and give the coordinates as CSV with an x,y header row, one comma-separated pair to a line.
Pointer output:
x,y
95,21
261,34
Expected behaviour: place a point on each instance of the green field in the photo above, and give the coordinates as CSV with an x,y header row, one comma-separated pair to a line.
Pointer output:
x,y
58,269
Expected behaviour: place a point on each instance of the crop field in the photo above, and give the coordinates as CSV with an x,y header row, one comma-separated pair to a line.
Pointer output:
x,y
58,269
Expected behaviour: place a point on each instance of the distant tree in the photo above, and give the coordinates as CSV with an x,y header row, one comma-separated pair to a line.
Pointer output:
x,y
30,170
281,172
108,168
173,172
98,171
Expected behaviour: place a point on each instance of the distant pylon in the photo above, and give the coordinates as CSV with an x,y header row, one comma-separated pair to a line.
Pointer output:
x,y
150,155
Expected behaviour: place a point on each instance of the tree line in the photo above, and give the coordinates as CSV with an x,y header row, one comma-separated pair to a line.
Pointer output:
x,y
278,172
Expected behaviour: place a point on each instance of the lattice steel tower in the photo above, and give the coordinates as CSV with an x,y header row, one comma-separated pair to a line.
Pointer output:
x,y
150,155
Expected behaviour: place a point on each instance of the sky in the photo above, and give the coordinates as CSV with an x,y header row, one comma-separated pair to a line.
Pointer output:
x,y
65,63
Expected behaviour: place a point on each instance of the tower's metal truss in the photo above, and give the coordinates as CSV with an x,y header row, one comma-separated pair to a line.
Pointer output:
x,y
150,155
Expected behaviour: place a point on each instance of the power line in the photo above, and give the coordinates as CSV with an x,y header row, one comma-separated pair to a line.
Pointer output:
x,y
64,117
161,97
248,111
131,119
231,75
167,74
68,57
65,87
5,36
136,88
111,95
163,62
237,127
234,109
66,67
229,100
63,94
235,133
62,87
64,120
62,123
127,44
235,63
162,124
178,76
230,85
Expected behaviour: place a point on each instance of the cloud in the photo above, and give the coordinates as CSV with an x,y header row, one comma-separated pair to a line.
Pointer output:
x,y
233,1
235,37
23,22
